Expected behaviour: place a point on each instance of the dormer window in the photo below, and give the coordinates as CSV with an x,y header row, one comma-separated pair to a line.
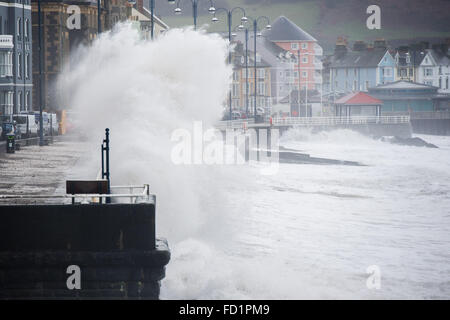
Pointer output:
x,y
408,59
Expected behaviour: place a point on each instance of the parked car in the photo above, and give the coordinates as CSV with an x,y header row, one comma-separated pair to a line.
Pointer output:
x,y
45,122
26,125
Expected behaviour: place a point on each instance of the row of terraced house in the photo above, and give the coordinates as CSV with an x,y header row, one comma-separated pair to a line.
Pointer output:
x,y
365,66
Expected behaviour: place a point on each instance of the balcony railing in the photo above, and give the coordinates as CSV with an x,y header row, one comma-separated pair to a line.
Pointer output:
x,y
6,41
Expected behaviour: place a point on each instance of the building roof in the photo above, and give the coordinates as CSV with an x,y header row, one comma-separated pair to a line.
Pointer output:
x,y
440,57
268,50
284,29
157,20
352,59
359,98
403,84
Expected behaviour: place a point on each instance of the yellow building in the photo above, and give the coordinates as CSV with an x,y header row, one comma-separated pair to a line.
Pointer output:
x,y
240,82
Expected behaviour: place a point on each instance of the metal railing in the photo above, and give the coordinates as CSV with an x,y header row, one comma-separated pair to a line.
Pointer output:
x,y
314,121
235,124
329,121
144,196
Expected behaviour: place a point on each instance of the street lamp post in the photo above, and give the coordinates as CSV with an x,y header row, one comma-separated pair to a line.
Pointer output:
x,y
299,84
99,22
152,21
246,72
255,34
194,9
230,22
41,123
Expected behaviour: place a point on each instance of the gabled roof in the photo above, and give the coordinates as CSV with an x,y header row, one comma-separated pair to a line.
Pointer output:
x,y
157,20
352,59
284,29
439,57
359,98
268,50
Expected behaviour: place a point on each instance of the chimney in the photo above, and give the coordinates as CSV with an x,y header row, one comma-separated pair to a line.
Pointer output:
x,y
359,46
341,47
425,45
380,43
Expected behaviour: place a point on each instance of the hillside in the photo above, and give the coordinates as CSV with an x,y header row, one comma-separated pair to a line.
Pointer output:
x,y
401,20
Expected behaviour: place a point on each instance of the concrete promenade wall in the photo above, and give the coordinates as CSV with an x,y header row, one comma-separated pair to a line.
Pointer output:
x,y
403,130
114,246
431,126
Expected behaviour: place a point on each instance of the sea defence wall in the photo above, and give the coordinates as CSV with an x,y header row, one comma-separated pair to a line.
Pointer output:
x,y
403,130
113,245
431,126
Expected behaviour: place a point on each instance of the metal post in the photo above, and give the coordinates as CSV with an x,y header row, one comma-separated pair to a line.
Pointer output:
x,y
152,8
108,200
246,71
99,22
41,124
194,8
229,60
255,26
299,85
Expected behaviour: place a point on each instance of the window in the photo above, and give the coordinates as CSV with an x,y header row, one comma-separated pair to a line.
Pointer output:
x,y
261,73
27,25
261,102
304,74
19,101
261,88
27,100
7,102
235,90
305,59
27,74
355,84
5,64
235,76
446,83
440,82
440,70
19,65
304,45
427,72
19,20
294,46
387,72
367,85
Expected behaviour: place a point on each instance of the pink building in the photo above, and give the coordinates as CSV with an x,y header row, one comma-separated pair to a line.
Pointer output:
x,y
292,38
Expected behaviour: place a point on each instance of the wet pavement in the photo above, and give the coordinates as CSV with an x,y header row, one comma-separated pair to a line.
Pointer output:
x,y
34,170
